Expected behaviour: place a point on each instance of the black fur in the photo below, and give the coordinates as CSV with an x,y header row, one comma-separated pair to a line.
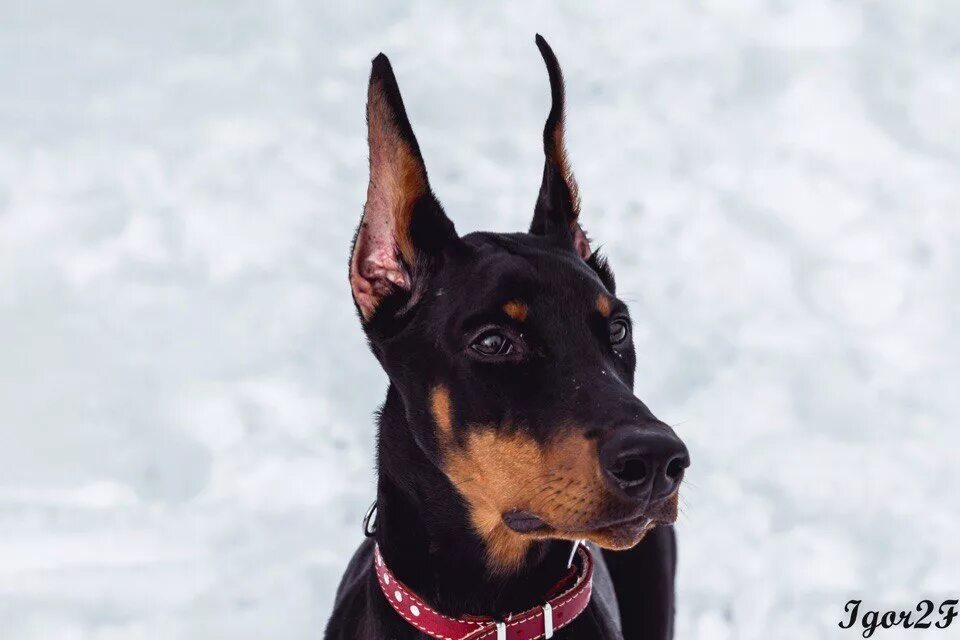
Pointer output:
x,y
565,372
556,207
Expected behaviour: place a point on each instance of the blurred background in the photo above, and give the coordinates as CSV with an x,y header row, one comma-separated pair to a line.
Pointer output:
x,y
186,399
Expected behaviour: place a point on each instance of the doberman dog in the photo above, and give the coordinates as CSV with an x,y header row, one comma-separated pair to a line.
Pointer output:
x,y
510,426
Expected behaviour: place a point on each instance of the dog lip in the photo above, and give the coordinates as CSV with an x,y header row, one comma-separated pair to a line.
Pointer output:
x,y
526,522
523,521
640,521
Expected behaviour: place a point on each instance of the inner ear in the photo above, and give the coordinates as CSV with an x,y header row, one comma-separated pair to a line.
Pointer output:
x,y
403,223
581,243
558,205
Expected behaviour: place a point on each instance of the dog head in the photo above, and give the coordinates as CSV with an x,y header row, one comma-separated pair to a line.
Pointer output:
x,y
511,352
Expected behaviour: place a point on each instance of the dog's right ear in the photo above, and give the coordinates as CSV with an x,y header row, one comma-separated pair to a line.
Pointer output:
x,y
403,225
558,205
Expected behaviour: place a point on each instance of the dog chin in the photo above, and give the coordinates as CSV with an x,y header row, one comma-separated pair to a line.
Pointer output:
x,y
621,536
627,534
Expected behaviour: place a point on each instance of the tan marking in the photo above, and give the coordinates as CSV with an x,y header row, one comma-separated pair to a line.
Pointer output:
x,y
603,305
580,242
516,310
558,155
496,473
562,161
442,412
560,482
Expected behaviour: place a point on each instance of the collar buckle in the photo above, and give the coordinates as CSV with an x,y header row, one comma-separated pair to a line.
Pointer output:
x,y
370,521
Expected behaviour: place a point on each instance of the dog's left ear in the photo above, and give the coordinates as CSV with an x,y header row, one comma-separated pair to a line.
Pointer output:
x,y
558,205
404,227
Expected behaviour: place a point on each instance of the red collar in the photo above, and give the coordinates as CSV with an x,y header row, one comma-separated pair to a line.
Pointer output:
x,y
532,624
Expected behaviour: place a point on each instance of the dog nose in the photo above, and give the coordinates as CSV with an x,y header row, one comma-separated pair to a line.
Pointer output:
x,y
645,461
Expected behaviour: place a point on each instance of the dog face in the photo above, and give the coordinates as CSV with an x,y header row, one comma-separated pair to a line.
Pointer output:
x,y
511,352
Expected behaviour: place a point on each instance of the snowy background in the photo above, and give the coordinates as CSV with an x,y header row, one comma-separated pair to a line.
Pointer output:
x,y
185,394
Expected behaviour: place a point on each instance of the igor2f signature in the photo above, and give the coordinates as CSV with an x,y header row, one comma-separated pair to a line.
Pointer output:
x,y
923,617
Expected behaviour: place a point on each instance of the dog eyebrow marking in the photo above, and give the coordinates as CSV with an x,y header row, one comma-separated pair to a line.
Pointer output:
x,y
603,305
516,310
442,411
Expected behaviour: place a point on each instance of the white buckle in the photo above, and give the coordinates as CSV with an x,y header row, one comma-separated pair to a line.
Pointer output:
x,y
547,621
501,631
573,552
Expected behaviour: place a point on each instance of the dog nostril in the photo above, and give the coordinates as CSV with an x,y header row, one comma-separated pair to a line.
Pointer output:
x,y
630,471
675,468
643,463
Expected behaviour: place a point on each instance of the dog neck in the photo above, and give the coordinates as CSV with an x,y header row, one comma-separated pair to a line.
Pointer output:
x,y
426,538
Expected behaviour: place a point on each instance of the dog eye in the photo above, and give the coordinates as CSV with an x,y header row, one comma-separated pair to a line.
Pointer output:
x,y
619,331
492,343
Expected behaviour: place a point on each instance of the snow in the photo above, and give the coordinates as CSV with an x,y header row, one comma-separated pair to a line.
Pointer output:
x,y
186,397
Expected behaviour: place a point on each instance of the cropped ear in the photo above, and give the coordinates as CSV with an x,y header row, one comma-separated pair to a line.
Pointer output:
x,y
558,205
403,224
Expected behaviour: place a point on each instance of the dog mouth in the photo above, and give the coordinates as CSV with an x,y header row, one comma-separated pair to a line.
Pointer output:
x,y
529,523
620,525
